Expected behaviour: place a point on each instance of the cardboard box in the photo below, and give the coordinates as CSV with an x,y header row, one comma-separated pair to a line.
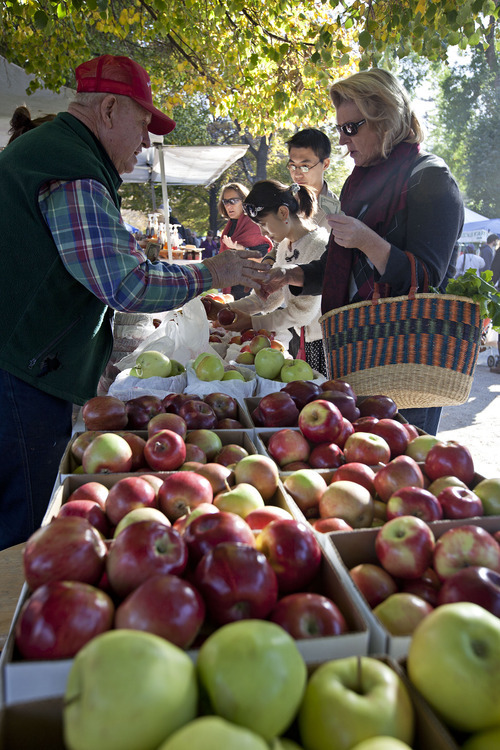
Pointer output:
x,y
25,681
37,725
239,437
354,547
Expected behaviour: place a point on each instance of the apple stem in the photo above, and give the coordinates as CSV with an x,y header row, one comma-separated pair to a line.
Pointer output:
x,y
359,675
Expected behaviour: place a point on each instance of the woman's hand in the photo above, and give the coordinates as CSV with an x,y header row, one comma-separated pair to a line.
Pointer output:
x,y
351,232
231,244
280,277
241,322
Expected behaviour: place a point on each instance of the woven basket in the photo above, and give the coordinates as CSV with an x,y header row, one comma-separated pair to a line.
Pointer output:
x,y
420,349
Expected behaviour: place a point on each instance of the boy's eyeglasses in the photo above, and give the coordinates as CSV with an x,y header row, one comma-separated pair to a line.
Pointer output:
x,y
297,167
230,201
350,128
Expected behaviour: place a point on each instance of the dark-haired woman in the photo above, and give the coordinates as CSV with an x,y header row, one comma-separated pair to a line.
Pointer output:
x,y
284,215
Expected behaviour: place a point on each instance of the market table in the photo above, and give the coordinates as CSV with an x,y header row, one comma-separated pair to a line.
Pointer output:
x,y
11,583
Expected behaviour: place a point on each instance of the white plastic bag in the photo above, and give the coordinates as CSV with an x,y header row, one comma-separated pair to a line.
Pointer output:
x,y
182,335
126,386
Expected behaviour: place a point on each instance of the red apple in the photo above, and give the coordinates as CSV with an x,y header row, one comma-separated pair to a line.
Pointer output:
x,y
258,519
257,417
288,445
404,547
308,615
320,421
419,447
60,617
104,413
346,430
180,524
229,424
90,491
375,583
345,404
198,415
297,465
364,424
167,421
302,391
475,584
248,334
141,409
237,583
226,316
207,440
208,530
141,550
137,445
411,430
347,500
366,448
230,454
80,442
293,552
165,451
194,455
356,472
449,459
183,491
66,549
394,433
326,456
220,477
107,453
306,486
338,385
278,410
414,501
164,605
327,525
459,502
172,402
427,587
379,406
402,471
465,546
92,511
401,613
129,493
261,472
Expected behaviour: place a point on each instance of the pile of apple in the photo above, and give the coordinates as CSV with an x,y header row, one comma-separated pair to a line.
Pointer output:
x,y
177,555
209,367
153,364
268,356
211,411
255,687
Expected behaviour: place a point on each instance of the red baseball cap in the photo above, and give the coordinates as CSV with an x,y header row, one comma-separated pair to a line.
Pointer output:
x,y
114,74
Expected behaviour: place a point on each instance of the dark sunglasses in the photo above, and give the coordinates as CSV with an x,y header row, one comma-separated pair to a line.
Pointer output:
x,y
230,201
252,210
350,128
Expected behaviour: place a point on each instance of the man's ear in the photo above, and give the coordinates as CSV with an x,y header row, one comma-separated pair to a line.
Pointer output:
x,y
108,109
326,164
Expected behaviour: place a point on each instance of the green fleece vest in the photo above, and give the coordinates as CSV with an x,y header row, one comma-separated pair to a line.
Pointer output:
x,y
55,334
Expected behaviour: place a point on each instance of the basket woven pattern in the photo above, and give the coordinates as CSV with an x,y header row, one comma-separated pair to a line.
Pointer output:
x,y
421,352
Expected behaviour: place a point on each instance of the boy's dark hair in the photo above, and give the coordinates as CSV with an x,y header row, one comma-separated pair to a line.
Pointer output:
x,y
313,139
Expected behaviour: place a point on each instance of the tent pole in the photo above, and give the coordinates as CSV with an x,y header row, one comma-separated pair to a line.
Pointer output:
x,y
166,206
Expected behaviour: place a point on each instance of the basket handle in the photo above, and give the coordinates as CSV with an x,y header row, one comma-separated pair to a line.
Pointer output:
x,y
413,281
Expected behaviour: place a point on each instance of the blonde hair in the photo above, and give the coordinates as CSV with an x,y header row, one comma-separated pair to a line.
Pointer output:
x,y
238,188
384,103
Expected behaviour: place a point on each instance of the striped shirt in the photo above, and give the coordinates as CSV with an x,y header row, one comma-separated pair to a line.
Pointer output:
x,y
99,252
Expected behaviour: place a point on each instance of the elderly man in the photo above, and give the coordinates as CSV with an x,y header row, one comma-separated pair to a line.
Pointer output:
x,y
68,260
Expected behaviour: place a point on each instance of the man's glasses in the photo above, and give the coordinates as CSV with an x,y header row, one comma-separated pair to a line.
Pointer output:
x,y
296,167
350,128
252,210
231,201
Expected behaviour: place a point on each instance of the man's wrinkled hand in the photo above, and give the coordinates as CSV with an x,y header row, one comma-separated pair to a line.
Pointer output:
x,y
234,267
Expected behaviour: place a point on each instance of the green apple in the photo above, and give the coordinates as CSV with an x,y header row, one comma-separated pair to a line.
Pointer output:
x,y
489,492
454,661
152,364
254,675
487,740
381,743
140,514
440,483
242,500
210,367
296,369
177,368
126,690
214,733
283,743
352,699
268,363
307,487
419,447
198,359
232,375
245,358
209,442
400,613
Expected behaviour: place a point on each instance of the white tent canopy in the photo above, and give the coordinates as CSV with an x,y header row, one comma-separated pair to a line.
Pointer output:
x,y
13,84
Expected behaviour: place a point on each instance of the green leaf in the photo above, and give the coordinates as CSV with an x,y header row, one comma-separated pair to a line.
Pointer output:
x,y
40,19
365,39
